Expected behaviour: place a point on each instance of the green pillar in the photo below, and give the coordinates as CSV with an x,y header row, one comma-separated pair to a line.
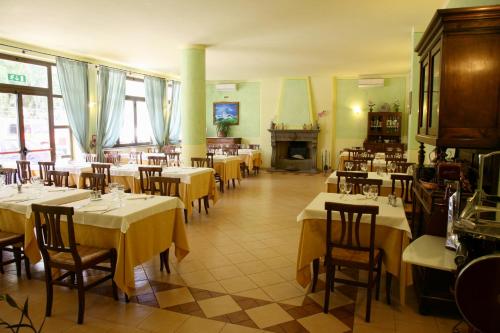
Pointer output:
x,y
193,119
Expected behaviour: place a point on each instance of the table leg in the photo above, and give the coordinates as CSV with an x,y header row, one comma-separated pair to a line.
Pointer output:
x,y
388,283
315,264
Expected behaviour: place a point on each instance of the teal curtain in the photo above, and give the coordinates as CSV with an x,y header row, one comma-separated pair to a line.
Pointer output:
x,y
155,101
111,103
174,121
73,79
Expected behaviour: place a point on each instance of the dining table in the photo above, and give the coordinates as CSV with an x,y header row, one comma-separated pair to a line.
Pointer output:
x,y
385,190
16,215
228,167
138,226
392,234
378,162
251,157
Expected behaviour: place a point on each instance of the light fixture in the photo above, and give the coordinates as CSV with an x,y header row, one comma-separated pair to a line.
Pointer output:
x,y
356,109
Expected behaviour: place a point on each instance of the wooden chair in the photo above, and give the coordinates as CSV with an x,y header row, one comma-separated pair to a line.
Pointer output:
x,y
212,148
157,160
10,175
152,150
254,146
200,162
174,159
112,157
145,174
135,156
406,185
354,153
12,242
92,181
346,250
218,179
166,186
104,168
230,151
43,168
357,184
58,178
23,171
356,164
60,250
346,175
90,158
169,149
402,167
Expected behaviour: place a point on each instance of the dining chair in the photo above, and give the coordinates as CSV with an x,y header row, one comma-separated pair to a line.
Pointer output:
x,y
23,171
218,178
406,185
346,175
112,157
152,150
254,146
200,162
58,178
402,167
13,242
230,151
166,186
345,249
43,168
10,175
356,164
89,180
135,156
104,168
90,158
169,149
157,160
59,249
358,183
212,148
353,153
145,174
174,159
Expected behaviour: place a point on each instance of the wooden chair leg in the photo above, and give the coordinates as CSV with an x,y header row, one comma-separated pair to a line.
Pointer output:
x,y
165,259
199,205
388,282
369,296
1,261
27,266
49,289
17,258
161,261
81,296
326,304
379,273
113,269
234,185
185,216
315,264
205,204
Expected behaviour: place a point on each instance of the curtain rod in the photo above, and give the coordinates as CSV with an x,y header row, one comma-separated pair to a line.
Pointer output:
x,y
24,50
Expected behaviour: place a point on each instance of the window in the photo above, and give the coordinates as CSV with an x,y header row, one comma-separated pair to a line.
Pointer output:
x,y
62,133
136,129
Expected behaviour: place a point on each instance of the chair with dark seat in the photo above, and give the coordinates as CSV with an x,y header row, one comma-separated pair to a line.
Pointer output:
x,y
157,160
166,186
10,175
406,185
218,178
89,180
358,184
12,242
104,168
90,158
58,178
60,250
200,162
174,159
345,249
135,156
43,168
343,176
23,171
145,174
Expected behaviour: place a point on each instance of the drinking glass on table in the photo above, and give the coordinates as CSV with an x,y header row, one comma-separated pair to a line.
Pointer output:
x,y
348,188
112,190
348,166
363,166
342,187
374,192
2,181
366,191
391,167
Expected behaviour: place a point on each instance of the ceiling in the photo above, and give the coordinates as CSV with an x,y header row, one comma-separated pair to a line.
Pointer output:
x,y
246,39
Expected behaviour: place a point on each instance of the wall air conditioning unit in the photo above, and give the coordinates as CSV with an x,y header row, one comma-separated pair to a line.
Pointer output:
x,y
226,87
370,83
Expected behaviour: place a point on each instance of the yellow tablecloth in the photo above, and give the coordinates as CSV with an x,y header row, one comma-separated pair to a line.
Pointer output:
x,y
16,222
228,170
251,159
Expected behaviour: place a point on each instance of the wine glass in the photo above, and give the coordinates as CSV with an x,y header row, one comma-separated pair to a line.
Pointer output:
x,y
348,166
366,191
348,188
112,190
363,166
391,167
2,181
120,189
342,187
374,192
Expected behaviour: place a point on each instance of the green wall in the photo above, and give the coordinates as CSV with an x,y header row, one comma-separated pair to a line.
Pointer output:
x,y
351,126
248,94
295,103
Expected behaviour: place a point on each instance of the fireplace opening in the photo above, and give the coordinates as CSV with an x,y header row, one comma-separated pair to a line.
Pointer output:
x,y
298,150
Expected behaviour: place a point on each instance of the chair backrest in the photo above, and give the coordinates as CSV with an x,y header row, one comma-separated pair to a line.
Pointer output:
x,y
145,174
90,158
357,184
112,157
157,160
43,167
58,178
406,184
350,220
354,153
254,146
165,186
199,162
210,160
104,168
212,148
91,180
10,175
48,231
394,154
356,164
135,156
346,175
230,151
152,150
23,171
169,149
174,159
402,167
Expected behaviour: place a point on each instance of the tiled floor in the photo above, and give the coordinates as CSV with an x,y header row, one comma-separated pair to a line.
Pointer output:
x,y
238,277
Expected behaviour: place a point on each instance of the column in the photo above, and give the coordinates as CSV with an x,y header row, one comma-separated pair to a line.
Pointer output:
x,y
193,103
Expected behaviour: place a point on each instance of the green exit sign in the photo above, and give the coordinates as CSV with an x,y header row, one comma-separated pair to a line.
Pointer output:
x,y
16,77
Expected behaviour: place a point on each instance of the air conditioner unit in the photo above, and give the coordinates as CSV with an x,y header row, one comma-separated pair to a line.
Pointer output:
x,y
370,83
226,87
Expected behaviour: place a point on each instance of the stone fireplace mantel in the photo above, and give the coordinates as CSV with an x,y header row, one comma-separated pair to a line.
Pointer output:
x,y
283,140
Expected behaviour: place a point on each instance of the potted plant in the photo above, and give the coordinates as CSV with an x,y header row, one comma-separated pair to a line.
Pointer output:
x,y
222,127
25,323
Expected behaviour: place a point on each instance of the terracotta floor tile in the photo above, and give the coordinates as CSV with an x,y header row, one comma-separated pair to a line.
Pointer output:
x,y
268,315
174,297
217,306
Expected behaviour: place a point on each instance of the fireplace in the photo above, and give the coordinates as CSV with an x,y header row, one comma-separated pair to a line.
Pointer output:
x,y
294,150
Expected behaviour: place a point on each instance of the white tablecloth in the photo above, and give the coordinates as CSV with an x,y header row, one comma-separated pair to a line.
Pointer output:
x,y
386,178
184,173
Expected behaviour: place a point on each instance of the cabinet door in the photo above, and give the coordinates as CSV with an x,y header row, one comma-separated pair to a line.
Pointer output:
x,y
434,91
424,97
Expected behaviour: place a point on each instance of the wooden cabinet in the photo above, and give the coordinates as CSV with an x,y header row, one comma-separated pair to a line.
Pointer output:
x,y
459,100
383,130
223,140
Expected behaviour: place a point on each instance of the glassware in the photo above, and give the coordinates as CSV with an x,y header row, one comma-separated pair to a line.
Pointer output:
x,y
342,187
112,190
374,192
348,188
120,189
364,167
2,181
366,191
348,166
391,167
